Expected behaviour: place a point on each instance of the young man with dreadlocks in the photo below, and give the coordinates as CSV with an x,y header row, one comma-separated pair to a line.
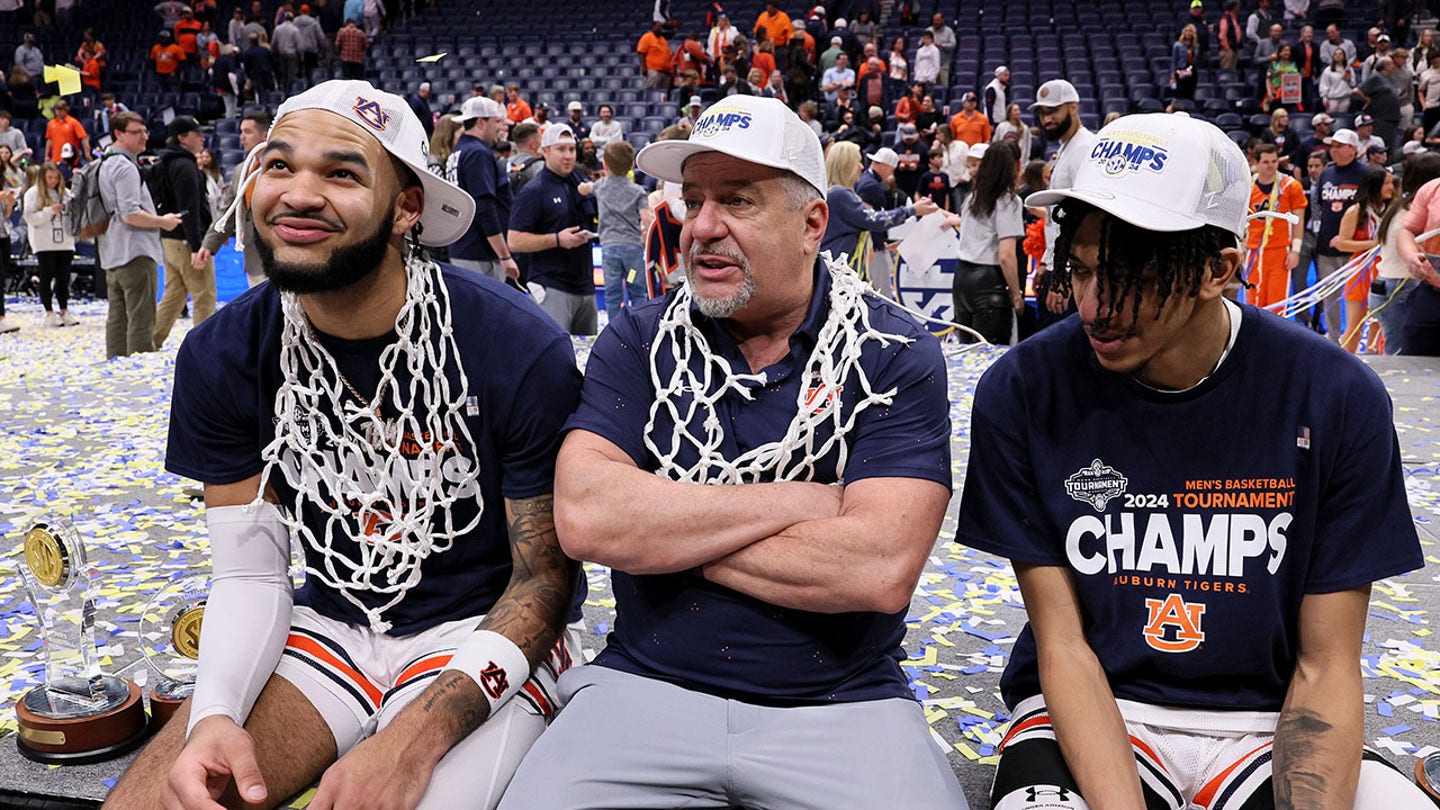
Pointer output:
x,y
406,417
761,458
1196,604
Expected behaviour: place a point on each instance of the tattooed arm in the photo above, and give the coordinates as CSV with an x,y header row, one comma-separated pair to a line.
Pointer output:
x,y
1319,736
398,761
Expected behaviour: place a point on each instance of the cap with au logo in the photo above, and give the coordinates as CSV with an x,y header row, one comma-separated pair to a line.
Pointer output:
x,y
753,129
448,209
1162,172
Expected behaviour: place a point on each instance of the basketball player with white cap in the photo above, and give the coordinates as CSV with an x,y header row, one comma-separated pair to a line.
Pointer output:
x,y
361,390
1057,110
1196,603
761,458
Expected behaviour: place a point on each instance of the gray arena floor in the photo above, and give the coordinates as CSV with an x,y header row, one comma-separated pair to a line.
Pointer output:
x,y
86,438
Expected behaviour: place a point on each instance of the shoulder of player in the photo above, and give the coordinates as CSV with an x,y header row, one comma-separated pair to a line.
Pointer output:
x,y
229,340
1306,357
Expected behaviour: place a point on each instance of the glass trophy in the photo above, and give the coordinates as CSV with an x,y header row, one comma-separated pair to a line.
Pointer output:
x,y
170,641
80,714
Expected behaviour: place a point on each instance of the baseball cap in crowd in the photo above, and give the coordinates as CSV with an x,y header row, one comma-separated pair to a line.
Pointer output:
x,y
183,125
1377,149
67,151
1412,148
695,102
907,131
977,150
1197,4
840,22
885,156
479,107
751,128
448,210
876,112
556,133
424,86
1321,118
967,97
1055,93
1001,70
575,106
1383,38
1364,120
1344,137
1162,172
837,41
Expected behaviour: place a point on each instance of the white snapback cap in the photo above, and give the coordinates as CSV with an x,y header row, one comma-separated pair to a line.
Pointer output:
x,y
1054,93
448,209
886,157
556,133
977,150
751,128
479,107
1344,137
1162,172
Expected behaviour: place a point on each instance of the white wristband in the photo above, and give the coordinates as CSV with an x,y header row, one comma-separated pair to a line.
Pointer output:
x,y
494,662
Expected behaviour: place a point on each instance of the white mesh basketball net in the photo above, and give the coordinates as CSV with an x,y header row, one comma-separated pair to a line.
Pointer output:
x,y
833,363
358,473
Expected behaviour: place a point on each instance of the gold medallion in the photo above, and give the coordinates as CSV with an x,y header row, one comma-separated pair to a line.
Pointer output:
x,y
185,631
47,557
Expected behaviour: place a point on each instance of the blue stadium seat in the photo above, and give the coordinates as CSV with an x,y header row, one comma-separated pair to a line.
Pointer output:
x,y
1229,121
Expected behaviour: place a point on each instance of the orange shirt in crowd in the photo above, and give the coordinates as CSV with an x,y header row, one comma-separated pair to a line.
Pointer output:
x,y
865,68
972,129
518,111
777,24
58,133
765,62
656,51
1268,274
167,58
185,31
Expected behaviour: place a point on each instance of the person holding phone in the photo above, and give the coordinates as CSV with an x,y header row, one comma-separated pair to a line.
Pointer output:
x,y
549,220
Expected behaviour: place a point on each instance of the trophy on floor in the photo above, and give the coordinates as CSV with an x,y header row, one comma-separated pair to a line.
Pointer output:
x,y
80,714
170,641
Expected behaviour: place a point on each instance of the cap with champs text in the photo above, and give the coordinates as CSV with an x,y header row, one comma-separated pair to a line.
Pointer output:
x,y
386,116
1055,93
1162,172
753,129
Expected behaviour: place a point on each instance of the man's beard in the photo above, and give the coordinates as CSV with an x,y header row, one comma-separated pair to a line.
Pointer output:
x,y
1057,131
345,266
720,307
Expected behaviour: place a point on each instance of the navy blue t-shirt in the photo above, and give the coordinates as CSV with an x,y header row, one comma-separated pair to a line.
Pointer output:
x,y
523,384
473,167
1192,523
1338,186
686,630
550,204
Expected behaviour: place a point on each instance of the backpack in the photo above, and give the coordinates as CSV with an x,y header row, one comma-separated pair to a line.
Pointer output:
x,y
520,173
85,210
156,177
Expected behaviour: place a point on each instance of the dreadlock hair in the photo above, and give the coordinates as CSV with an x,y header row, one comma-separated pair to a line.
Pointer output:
x,y
1132,257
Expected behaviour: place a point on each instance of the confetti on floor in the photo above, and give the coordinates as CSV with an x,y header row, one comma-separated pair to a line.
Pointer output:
x,y
85,438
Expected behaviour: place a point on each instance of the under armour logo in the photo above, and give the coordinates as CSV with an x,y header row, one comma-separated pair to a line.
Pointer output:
x,y
1034,794
556,200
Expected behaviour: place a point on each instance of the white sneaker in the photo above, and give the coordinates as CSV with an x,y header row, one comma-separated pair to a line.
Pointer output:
x,y
66,319
6,327
51,319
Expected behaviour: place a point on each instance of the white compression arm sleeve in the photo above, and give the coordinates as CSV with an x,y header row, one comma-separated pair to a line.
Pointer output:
x,y
247,617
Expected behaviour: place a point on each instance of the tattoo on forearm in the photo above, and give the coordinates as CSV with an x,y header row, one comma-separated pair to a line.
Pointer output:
x,y
533,609
451,700
1299,740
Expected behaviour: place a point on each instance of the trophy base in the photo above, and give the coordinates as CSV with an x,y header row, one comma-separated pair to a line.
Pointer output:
x,y
163,707
70,740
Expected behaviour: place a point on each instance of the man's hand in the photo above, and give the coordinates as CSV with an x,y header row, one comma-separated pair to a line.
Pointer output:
x,y
572,237
925,206
1017,299
1292,260
1056,302
171,221
218,751
377,773
585,188
199,257
511,267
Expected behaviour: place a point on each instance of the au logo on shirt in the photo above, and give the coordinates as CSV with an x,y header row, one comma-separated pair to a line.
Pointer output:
x,y
1173,625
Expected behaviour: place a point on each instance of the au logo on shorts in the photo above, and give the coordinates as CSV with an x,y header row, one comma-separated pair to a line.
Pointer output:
x,y
1096,484
1173,625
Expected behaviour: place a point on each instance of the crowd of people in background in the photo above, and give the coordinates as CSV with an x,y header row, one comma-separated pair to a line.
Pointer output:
x,y
849,80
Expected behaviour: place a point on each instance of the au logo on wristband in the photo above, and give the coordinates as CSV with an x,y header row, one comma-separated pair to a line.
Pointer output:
x,y
494,680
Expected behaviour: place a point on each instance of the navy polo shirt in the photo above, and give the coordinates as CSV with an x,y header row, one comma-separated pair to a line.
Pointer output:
x,y
473,167
550,204
683,629
517,398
